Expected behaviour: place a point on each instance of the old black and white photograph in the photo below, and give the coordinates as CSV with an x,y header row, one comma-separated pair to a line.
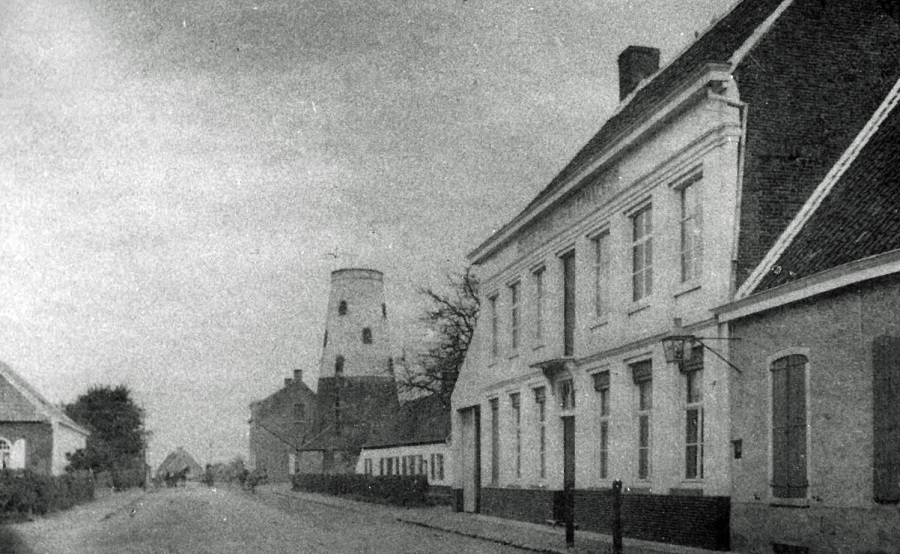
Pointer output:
x,y
449,276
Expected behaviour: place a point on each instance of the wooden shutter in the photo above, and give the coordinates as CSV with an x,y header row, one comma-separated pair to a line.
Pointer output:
x,y
789,427
886,419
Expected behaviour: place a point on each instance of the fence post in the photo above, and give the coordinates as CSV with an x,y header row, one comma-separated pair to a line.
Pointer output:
x,y
617,517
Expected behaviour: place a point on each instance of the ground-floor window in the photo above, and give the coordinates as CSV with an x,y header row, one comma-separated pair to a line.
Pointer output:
x,y
5,450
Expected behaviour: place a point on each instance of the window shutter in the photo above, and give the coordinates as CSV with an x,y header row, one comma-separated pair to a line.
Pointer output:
x,y
779,430
886,419
797,426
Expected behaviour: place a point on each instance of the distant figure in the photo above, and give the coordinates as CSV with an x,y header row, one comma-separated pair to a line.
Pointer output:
x,y
208,477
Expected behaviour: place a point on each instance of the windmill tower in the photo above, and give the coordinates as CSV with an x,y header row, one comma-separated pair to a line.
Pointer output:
x,y
357,394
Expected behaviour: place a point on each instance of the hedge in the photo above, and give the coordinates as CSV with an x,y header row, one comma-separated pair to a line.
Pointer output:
x,y
401,490
24,492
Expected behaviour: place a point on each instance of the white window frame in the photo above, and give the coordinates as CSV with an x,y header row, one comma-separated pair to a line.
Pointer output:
x,y
515,294
641,220
690,224
694,405
600,242
495,326
538,275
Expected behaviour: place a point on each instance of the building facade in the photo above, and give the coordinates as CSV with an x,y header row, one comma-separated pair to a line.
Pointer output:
x,y
653,226
34,434
816,411
279,426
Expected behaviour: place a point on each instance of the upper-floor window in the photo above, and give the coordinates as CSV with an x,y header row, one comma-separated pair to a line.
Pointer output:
x,y
384,311
495,324
642,254
691,232
299,412
568,267
789,427
538,276
366,335
601,274
325,342
339,365
514,316
342,307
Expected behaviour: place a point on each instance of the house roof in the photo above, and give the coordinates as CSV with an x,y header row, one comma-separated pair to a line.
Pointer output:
x,y
37,408
855,211
423,420
721,43
178,460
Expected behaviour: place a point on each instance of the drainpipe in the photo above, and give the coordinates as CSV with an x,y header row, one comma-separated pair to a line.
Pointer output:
x,y
742,155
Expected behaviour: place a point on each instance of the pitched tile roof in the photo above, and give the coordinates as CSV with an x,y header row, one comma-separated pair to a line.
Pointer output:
x,y
718,44
30,404
422,420
859,217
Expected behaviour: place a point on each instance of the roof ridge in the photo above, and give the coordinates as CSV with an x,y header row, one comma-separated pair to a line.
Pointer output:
x,y
41,404
821,191
757,35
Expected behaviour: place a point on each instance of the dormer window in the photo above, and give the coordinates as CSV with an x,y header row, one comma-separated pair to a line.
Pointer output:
x,y
342,307
367,336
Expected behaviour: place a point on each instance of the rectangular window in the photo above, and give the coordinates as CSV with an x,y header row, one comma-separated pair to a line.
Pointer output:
x,y
691,232
396,465
601,275
381,466
601,385
642,254
367,463
567,394
440,466
540,399
299,413
495,325
495,441
516,404
390,466
568,263
538,276
693,434
789,427
403,466
642,374
514,316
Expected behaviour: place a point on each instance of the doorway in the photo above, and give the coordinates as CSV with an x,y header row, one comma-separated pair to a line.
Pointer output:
x,y
471,458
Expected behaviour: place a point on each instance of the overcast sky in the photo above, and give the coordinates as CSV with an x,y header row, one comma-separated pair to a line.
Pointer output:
x,y
178,178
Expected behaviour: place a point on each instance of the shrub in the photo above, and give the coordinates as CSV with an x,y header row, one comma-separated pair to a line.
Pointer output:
x,y
23,492
400,490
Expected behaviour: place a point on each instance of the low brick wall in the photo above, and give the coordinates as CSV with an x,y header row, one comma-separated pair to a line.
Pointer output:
x,y
700,521
534,505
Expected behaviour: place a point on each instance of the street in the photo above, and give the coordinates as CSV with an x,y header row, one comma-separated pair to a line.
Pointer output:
x,y
197,519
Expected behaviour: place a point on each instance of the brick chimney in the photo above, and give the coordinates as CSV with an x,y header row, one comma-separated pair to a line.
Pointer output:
x,y
298,375
635,64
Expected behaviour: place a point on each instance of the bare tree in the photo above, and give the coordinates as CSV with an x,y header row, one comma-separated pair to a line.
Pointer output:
x,y
451,317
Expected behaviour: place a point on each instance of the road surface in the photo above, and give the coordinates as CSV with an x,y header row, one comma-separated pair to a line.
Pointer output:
x,y
197,519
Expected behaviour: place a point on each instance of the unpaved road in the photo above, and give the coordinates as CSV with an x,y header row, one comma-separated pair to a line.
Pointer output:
x,y
201,520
